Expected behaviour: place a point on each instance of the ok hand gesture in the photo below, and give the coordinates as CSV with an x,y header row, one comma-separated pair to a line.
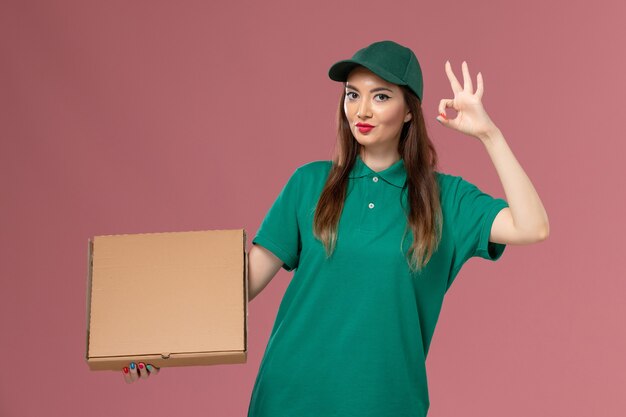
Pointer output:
x,y
471,118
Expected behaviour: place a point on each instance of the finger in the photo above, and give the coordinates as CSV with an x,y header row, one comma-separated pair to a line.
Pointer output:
x,y
467,79
441,118
479,89
153,369
126,373
133,372
443,104
454,83
143,372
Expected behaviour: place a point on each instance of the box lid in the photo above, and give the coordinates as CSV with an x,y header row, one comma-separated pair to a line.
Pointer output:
x,y
164,293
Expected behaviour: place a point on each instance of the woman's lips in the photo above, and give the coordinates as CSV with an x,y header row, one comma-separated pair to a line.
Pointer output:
x,y
364,128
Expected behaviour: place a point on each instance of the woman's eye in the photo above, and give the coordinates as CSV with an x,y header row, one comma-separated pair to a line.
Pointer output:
x,y
384,97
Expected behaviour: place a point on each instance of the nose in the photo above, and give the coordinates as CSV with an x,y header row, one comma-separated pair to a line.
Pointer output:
x,y
364,109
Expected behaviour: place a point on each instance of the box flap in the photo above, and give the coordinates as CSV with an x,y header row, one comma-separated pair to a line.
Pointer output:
x,y
88,296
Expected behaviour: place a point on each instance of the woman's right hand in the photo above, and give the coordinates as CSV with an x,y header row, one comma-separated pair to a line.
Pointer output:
x,y
134,371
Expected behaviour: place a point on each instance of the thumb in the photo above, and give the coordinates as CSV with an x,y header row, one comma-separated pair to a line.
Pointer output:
x,y
441,118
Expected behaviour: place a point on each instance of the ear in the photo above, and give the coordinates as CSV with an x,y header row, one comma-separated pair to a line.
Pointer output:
x,y
408,117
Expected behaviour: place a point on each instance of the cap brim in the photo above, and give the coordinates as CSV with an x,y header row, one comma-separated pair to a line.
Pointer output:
x,y
339,71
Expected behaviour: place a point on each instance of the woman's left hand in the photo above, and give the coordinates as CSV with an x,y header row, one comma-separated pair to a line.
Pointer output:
x,y
471,118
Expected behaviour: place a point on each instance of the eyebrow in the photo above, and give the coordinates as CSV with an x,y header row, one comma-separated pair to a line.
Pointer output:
x,y
372,90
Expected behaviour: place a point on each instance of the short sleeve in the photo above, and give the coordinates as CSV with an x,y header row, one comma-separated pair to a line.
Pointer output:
x,y
472,212
279,231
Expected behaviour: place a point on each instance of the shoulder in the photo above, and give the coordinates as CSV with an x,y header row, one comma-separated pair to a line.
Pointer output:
x,y
313,167
310,178
452,187
447,181
450,180
446,178
314,170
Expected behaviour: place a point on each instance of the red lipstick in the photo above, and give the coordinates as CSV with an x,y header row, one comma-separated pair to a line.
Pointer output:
x,y
364,127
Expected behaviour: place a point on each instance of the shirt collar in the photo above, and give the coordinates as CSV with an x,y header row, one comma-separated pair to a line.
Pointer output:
x,y
395,174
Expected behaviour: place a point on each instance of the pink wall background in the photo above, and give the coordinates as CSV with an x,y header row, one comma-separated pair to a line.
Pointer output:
x,y
132,117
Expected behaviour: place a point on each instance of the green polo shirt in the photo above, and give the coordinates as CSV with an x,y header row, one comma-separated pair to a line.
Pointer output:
x,y
352,332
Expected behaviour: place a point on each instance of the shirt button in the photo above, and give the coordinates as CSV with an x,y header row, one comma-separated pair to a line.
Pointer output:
x,y
371,205
375,179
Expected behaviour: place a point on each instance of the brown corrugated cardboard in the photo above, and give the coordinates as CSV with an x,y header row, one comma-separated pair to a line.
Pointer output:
x,y
169,299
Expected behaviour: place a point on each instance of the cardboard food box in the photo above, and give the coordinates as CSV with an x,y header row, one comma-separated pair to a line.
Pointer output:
x,y
169,299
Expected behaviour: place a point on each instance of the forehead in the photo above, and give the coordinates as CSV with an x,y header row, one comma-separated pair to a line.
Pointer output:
x,y
363,76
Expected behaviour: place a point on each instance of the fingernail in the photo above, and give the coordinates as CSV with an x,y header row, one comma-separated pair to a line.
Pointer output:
x,y
141,366
438,120
126,369
149,368
443,115
132,365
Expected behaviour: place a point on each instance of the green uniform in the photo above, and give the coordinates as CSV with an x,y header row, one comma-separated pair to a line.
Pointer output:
x,y
352,332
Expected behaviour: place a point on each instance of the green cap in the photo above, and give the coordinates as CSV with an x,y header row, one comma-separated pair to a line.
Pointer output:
x,y
387,59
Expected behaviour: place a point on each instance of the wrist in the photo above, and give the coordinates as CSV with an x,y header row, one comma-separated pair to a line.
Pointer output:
x,y
490,135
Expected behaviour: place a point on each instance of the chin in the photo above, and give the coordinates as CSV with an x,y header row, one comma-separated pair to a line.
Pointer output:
x,y
363,139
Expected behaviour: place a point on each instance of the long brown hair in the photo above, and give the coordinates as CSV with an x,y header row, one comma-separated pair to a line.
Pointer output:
x,y
424,216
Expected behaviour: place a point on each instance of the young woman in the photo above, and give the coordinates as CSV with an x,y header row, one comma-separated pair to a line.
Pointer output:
x,y
376,237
